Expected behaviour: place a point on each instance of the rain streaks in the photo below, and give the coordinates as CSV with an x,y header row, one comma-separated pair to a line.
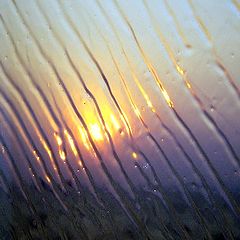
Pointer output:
x,y
101,118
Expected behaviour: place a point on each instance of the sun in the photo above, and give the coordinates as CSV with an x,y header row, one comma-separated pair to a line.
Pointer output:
x,y
96,132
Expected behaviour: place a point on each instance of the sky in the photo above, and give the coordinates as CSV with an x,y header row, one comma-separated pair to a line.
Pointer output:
x,y
121,90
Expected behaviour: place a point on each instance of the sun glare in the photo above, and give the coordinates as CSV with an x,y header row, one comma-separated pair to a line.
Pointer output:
x,y
96,132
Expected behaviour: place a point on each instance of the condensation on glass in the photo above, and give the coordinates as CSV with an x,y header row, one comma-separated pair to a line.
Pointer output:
x,y
119,119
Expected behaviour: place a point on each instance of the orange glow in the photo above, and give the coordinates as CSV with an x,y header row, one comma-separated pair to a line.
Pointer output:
x,y
84,137
179,69
36,156
80,163
155,75
167,98
47,149
62,154
134,155
48,179
188,85
59,140
149,103
96,132
71,143
159,83
136,110
49,153
115,122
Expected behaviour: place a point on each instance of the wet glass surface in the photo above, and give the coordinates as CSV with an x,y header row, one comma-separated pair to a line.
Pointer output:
x,y
119,119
